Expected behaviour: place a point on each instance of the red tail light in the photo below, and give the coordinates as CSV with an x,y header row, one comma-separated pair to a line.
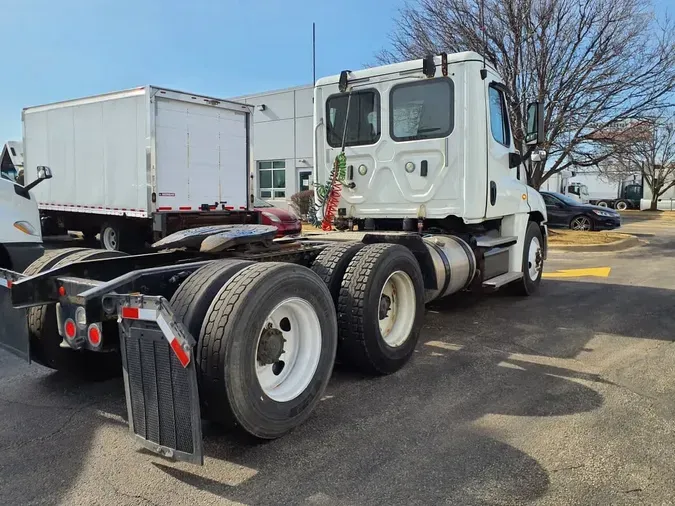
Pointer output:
x,y
94,335
70,329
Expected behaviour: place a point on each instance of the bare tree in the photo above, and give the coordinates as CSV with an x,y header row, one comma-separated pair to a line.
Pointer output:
x,y
594,62
654,156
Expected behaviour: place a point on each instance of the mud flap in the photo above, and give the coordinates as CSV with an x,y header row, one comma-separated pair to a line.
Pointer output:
x,y
160,378
13,322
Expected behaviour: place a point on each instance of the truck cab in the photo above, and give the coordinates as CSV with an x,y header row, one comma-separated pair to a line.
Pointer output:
x,y
20,236
429,146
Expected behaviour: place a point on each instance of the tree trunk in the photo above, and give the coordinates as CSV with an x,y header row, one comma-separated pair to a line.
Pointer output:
x,y
654,204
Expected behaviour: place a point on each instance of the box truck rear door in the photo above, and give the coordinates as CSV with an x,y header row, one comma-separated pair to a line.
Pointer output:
x,y
201,156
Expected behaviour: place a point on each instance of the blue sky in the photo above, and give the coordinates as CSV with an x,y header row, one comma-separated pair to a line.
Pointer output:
x,y
70,48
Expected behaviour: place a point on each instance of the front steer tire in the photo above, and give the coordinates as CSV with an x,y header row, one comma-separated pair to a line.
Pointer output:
x,y
528,284
361,342
228,351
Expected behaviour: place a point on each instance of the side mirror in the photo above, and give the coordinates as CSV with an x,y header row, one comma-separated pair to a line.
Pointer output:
x,y
535,124
44,172
514,160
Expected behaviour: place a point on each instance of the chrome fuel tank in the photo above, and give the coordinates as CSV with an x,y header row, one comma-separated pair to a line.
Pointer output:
x,y
454,264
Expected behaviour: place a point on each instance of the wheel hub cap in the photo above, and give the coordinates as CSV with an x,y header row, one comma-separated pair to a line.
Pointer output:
x,y
271,346
385,306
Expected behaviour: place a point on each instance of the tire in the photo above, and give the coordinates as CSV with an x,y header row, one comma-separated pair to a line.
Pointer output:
x,y
194,296
49,259
582,223
531,279
332,263
362,343
233,382
45,340
116,236
602,203
621,205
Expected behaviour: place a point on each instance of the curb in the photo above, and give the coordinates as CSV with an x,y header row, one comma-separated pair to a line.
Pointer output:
x,y
619,245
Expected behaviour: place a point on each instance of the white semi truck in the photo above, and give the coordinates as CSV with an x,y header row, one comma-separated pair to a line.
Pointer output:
x,y
136,165
228,324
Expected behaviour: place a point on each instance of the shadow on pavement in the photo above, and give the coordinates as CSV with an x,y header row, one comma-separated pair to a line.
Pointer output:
x,y
408,438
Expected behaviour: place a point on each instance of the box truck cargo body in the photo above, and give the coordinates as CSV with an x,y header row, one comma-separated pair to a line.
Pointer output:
x,y
143,162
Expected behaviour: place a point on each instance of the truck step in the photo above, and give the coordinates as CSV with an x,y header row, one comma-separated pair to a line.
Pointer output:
x,y
493,242
502,279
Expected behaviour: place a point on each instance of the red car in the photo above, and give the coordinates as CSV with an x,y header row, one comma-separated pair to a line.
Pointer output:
x,y
286,222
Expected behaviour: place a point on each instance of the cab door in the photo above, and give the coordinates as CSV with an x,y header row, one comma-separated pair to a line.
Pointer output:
x,y
504,191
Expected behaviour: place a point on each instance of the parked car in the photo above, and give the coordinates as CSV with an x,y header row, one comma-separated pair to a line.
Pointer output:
x,y
286,222
567,212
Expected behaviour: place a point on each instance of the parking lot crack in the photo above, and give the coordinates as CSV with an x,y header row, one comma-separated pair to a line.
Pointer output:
x,y
568,468
56,432
130,496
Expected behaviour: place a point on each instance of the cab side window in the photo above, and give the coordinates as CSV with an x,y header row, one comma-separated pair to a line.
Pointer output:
x,y
499,118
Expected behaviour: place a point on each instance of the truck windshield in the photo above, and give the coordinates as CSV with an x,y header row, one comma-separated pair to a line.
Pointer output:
x,y
363,123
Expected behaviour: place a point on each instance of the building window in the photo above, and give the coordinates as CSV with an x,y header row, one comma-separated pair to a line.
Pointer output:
x,y
499,118
272,179
12,150
422,110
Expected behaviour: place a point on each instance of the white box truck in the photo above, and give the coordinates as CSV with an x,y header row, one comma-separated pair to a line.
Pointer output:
x,y
139,164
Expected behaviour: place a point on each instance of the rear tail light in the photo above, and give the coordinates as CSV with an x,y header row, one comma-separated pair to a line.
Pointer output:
x,y
94,335
70,329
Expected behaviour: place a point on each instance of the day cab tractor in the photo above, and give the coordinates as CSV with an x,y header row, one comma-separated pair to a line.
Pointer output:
x,y
229,324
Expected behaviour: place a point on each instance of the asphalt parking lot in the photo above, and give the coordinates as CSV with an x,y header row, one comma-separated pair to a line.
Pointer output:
x,y
562,398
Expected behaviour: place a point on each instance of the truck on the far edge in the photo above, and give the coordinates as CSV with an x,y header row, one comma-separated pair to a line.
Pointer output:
x,y
229,324
137,165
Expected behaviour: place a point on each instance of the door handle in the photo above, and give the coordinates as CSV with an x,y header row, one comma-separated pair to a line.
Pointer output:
x,y
493,193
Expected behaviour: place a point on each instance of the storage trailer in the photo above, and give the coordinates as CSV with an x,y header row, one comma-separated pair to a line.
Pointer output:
x,y
139,164
228,324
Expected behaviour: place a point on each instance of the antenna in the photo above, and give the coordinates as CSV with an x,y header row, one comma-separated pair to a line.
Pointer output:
x,y
483,71
314,53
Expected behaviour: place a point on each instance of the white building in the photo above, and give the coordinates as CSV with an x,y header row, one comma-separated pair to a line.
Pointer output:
x,y
282,142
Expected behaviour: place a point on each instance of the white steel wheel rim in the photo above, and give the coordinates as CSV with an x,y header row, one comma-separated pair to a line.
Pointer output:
x,y
533,266
621,206
602,204
110,238
299,324
581,223
397,308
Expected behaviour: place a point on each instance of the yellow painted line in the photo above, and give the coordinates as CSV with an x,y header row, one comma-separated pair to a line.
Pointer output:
x,y
597,272
445,346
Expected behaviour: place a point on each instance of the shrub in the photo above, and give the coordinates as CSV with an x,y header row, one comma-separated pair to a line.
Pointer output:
x,y
301,202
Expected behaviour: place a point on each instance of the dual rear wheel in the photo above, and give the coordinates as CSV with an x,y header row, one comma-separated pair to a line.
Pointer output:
x,y
268,333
